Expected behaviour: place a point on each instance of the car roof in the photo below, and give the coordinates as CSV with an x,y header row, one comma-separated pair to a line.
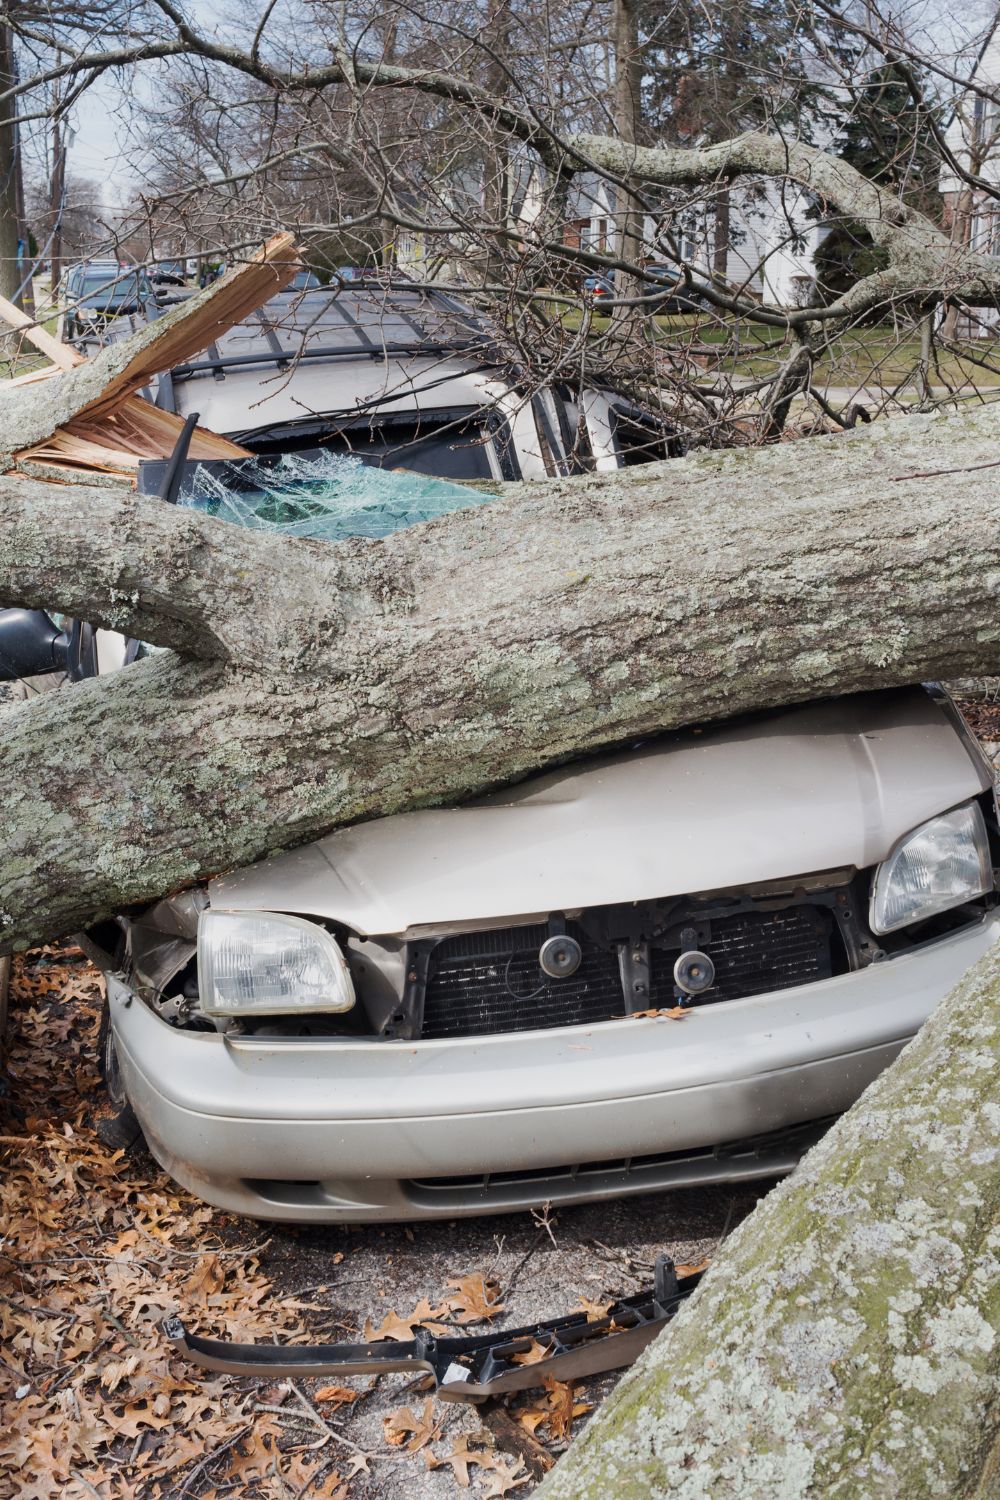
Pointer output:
x,y
359,320
99,265
385,344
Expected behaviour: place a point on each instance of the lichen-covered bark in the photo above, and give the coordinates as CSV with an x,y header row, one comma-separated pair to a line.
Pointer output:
x,y
846,1342
334,683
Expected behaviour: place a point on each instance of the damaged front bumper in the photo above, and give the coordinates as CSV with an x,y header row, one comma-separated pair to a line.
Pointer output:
x,y
357,1129
476,1367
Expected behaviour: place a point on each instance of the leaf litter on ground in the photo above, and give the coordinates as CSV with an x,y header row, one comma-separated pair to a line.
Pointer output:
x,y
94,1253
96,1248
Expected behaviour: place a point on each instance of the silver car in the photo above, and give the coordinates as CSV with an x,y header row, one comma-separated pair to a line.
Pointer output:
x,y
667,966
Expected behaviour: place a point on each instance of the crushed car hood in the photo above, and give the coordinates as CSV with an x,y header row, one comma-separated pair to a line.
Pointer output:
x,y
821,787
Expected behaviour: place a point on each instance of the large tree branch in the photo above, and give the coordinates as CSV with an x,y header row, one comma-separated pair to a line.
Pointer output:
x,y
923,263
372,676
173,577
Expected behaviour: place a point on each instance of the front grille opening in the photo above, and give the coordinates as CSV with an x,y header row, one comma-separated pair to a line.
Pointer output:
x,y
489,983
756,952
486,983
787,1142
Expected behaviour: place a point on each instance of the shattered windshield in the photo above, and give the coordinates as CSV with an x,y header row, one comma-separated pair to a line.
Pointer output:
x,y
329,496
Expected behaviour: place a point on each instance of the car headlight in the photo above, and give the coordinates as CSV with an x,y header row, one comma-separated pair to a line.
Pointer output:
x,y
939,865
262,964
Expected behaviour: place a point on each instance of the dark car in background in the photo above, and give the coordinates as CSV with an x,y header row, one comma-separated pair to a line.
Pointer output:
x,y
97,291
168,273
665,291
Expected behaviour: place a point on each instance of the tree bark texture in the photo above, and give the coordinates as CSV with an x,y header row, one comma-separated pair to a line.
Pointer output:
x,y
309,685
846,1342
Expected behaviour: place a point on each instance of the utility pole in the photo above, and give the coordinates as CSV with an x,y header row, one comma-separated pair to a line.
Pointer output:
x,y
57,194
496,157
10,217
629,213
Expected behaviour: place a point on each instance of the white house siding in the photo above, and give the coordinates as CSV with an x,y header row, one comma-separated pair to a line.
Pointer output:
x,y
973,137
772,238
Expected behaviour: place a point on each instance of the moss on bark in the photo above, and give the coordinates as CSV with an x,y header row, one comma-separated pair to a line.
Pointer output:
x,y
315,685
846,1342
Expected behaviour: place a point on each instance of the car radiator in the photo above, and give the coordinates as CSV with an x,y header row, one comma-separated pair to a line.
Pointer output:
x,y
487,983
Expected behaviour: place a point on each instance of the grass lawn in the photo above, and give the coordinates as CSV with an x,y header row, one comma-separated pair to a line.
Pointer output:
x,y
878,357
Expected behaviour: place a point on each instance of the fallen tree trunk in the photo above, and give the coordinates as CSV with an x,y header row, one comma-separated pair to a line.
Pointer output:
x,y
310,685
846,1342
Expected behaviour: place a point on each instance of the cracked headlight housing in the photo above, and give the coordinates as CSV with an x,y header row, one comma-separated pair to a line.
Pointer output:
x,y
258,963
941,864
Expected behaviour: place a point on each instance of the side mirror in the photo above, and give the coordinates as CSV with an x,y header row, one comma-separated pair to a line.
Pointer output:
x,y
30,644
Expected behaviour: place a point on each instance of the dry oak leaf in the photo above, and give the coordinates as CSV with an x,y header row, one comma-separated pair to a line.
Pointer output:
x,y
669,1013
403,1429
562,1407
117,1370
556,1410
207,1278
533,1354
474,1298
692,1270
461,1457
340,1395
504,1479
393,1326
256,1453
595,1310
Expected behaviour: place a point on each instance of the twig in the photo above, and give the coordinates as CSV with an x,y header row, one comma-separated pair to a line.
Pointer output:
x,y
86,1484
933,473
544,1218
515,1274
210,1457
323,1424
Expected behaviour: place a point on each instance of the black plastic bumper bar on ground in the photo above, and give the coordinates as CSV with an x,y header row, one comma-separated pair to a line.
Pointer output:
x,y
474,1368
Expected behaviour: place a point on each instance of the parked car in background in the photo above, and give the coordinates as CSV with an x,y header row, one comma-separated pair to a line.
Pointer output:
x,y
168,273
304,281
97,291
598,289
664,290
399,374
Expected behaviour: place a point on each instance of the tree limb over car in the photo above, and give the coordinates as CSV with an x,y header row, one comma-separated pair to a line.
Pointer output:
x,y
309,685
925,266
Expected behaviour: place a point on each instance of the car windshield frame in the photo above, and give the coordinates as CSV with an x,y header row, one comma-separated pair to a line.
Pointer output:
x,y
126,285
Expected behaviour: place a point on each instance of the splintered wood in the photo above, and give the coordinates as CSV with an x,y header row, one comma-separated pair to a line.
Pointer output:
x,y
94,420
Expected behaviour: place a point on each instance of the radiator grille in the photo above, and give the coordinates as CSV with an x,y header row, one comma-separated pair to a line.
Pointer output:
x,y
483,983
755,952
